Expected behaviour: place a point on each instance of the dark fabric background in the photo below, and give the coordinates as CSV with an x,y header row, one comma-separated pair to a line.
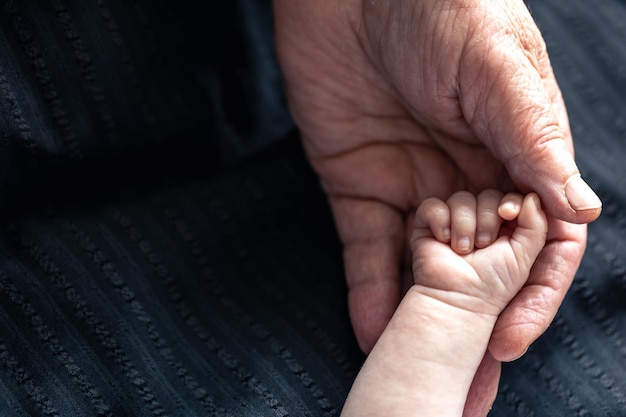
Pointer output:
x,y
166,251
103,90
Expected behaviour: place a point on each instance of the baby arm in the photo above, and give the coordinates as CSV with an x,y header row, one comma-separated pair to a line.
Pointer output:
x,y
467,266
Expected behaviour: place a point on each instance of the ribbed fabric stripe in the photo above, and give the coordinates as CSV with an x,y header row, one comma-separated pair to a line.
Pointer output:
x,y
48,340
42,75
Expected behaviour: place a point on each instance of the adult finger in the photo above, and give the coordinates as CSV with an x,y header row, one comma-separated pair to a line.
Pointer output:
x,y
532,310
373,237
484,388
511,101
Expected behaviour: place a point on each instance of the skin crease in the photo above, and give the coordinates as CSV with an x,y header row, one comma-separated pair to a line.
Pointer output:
x,y
400,101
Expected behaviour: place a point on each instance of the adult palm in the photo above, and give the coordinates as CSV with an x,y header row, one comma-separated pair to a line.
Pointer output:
x,y
400,101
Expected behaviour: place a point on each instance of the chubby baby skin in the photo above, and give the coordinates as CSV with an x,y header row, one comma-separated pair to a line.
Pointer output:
x,y
471,256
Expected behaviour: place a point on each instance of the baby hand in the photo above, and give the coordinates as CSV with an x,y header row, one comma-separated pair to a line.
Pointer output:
x,y
476,253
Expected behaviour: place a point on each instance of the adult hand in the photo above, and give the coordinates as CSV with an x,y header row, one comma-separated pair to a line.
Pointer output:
x,y
400,101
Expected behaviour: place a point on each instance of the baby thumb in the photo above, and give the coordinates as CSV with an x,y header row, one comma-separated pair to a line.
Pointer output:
x,y
529,236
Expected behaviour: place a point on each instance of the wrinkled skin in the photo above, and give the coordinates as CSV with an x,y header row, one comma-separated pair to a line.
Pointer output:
x,y
405,100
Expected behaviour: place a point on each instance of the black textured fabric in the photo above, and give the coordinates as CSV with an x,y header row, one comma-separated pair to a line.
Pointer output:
x,y
123,85
149,267
176,303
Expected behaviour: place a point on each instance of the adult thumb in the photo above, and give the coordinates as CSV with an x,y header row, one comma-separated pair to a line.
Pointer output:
x,y
520,115
548,168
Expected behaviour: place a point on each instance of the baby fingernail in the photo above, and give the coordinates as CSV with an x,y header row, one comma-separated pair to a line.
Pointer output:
x,y
483,238
446,233
580,195
509,207
463,243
